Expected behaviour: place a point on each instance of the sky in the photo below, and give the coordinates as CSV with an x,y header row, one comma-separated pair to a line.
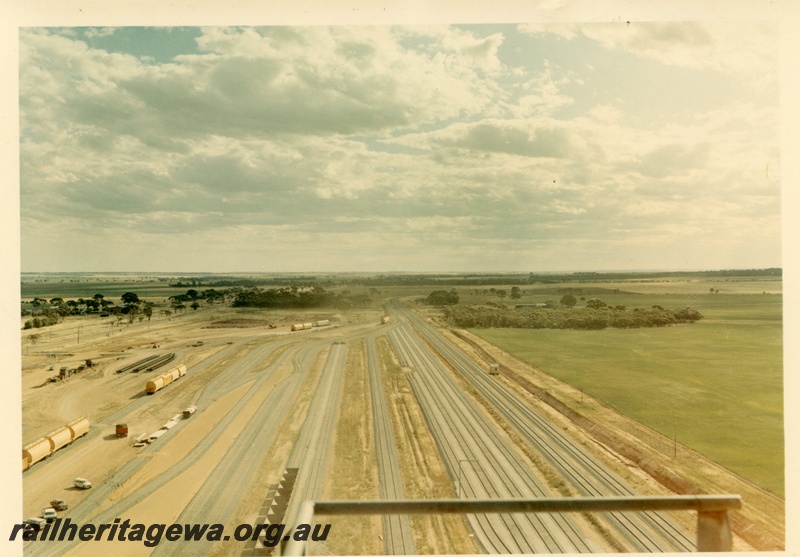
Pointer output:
x,y
530,147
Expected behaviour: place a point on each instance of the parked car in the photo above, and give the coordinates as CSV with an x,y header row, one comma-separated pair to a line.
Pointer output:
x,y
59,504
82,483
35,522
49,514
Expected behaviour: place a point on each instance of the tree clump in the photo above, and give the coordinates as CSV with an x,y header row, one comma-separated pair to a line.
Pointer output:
x,y
595,316
50,318
568,300
442,298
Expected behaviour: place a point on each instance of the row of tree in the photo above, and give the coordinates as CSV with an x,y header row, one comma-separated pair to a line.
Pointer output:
x,y
294,297
94,304
592,318
48,318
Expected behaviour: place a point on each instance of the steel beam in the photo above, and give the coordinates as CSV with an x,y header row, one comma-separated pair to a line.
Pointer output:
x,y
713,527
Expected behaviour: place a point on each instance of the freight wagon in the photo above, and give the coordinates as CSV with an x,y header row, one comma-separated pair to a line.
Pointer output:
x,y
79,427
59,438
302,326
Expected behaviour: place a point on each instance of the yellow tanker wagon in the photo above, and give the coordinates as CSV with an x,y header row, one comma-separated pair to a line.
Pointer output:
x,y
45,446
165,379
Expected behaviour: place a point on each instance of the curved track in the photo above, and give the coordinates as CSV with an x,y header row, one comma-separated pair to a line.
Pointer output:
x,y
236,374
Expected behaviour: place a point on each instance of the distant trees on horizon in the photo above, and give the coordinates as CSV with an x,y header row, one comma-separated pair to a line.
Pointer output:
x,y
596,315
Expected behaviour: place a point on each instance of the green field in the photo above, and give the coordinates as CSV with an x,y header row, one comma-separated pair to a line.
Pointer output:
x,y
716,385
111,289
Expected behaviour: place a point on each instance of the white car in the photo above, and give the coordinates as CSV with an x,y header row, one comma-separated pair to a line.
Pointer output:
x,y
49,514
35,522
82,483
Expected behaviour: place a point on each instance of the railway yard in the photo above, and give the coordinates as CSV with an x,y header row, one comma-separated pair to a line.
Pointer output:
x,y
218,405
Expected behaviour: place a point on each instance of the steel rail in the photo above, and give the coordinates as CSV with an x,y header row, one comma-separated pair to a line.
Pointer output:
x,y
647,532
462,432
310,451
644,533
398,538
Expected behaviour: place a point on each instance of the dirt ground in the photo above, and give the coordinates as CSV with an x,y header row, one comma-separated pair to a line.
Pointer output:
x,y
354,467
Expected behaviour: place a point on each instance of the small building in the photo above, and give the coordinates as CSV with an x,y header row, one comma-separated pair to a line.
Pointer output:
x,y
494,369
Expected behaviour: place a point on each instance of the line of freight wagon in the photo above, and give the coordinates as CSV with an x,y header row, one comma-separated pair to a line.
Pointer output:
x,y
165,379
310,325
50,443
63,436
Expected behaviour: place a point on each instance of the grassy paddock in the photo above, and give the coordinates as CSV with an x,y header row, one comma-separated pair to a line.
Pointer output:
x,y
716,385
109,289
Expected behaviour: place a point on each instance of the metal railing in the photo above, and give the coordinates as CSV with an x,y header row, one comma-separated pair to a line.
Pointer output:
x,y
713,526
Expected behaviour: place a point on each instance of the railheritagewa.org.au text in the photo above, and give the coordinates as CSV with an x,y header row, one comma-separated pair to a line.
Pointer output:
x,y
152,534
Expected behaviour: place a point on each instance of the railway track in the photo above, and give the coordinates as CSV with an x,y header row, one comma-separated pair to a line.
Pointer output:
x,y
642,532
398,538
87,510
122,414
148,364
310,451
217,499
464,435
480,461
161,361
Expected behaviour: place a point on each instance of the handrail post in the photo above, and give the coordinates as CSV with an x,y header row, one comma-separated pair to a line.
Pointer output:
x,y
305,515
713,531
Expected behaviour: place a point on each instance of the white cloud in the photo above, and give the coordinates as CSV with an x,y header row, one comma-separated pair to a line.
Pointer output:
x,y
398,141
98,32
558,29
747,47
249,83
481,52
